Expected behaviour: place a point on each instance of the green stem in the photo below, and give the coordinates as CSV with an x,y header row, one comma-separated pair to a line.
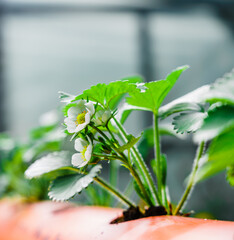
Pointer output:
x,y
112,135
107,187
141,166
124,159
159,170
164,199
157,154
141,186
191,179
114,167
72,169
108,156
114,191
105,136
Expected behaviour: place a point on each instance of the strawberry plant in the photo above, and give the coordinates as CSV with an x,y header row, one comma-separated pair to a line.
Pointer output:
x,y
94,120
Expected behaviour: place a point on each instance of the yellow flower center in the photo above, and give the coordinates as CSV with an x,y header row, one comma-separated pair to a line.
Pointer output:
x,y
81,118
83,152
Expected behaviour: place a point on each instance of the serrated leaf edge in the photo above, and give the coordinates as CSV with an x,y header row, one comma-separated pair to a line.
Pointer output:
x,y
99,167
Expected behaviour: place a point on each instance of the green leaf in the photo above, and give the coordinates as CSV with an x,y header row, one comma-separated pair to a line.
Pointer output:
x,y
152,97
98,148
116,90
230,175
95,93
66,187
66,97
222,90
219,156
124,111
219,118
131,142
188,102
109,95
168,129
179,107
49,163
188,122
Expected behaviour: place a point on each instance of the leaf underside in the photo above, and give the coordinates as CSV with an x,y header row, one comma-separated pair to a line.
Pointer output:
x,y
49,163
131,142
188,122
219,118
222,90
63,188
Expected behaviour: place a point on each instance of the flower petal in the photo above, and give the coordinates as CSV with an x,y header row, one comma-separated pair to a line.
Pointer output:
x,y
73,112
80,127
81,103
78,161
80,144
106,116
87,118
90,107
101,117
100,113
71,126
88,153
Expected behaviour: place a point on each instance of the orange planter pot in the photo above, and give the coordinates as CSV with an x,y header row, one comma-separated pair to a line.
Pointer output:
x,y
63,221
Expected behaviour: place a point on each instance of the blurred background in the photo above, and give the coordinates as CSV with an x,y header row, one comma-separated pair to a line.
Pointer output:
x,y
68,45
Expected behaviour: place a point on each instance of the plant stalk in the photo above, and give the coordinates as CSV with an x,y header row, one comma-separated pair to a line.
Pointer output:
x,y
113,157
125,160
141,166
157,152
107,187
104,135
114,191
141,186
114,167
112,135
190,185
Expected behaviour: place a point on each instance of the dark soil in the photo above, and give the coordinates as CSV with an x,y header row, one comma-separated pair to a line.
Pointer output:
x,y
134,213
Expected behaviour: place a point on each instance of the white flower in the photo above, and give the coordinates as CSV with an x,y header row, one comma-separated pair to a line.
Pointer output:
x,y
102,117
85,152
79,116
